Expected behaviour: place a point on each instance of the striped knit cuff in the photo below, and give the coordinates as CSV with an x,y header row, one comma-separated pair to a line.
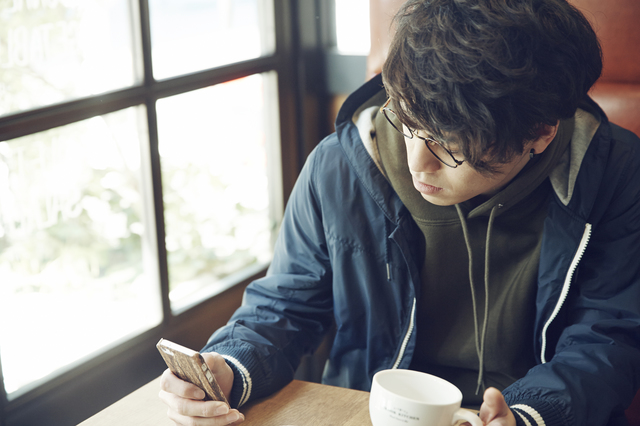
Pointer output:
x,y
242,383
536,413
526,416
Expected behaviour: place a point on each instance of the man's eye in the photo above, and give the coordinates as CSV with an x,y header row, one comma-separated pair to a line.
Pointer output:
x,y
434,143
454,149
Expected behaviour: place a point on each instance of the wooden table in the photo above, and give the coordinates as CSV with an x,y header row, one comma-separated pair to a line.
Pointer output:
x,y
297,404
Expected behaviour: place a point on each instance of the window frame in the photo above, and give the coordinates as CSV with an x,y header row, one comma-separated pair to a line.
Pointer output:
x,y
92,384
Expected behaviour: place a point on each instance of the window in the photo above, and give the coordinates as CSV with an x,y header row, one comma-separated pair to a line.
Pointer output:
x,y
352,27
140,169
77,243
347,45
53,51
213,146
227,30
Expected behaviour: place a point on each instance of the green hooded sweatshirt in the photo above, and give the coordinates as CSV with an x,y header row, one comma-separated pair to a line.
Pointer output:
x,y
477,303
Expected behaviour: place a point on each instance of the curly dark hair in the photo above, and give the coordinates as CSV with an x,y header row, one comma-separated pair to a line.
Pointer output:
x,y
486,75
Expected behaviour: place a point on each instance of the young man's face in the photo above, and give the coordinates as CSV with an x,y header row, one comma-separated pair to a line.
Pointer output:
x,y
445,186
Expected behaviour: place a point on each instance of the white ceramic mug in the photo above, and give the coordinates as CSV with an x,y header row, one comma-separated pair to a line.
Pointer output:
x,y
413,398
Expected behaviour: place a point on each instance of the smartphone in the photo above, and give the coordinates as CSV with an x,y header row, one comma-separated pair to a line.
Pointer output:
x,y
189,365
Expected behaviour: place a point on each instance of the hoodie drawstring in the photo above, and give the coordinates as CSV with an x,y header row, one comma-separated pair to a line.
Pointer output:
x,y
480,336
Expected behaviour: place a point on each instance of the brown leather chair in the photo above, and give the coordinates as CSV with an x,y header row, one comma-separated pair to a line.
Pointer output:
x,y
617,91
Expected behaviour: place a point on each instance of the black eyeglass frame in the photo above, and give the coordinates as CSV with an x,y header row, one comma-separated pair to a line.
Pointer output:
x,y
427,141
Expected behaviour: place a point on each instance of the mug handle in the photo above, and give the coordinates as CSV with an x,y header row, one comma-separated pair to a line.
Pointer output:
x,y
467,416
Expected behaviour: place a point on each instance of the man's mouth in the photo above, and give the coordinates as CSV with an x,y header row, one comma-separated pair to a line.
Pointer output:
x,y
424,188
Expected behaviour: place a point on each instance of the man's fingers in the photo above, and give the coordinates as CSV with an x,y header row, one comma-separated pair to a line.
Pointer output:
x,y
185,400
186,411
173,384
233,418
221,371
189,407
215,361
494,409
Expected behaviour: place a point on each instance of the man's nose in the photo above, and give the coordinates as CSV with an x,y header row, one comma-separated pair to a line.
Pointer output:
x,y
420,158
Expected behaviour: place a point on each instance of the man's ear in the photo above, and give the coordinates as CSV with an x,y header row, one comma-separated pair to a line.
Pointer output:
x,y
546,134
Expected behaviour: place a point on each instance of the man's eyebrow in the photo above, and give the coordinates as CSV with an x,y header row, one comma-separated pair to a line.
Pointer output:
x,y
429,134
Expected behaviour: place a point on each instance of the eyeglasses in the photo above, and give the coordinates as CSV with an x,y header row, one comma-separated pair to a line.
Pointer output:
x,y
437,149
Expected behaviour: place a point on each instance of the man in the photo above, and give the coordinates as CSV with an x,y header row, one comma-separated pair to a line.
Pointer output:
x,y
477,218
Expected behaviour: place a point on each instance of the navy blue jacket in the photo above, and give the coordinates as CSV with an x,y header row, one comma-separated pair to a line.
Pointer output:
x,y
348,253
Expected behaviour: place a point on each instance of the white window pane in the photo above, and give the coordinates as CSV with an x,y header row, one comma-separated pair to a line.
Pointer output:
x,y
56,50
352,27
217,189
192,35
78,257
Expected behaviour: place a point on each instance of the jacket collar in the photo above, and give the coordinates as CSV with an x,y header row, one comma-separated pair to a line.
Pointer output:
x,y
360,102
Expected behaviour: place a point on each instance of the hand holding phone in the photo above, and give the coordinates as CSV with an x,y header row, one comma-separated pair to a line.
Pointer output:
x,y
189,366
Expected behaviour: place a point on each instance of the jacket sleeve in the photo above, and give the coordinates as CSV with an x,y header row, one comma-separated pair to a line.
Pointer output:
x,y
285,314
595,370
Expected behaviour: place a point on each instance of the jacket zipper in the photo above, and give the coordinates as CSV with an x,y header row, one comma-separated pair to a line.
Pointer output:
x,y
565,288
407,336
